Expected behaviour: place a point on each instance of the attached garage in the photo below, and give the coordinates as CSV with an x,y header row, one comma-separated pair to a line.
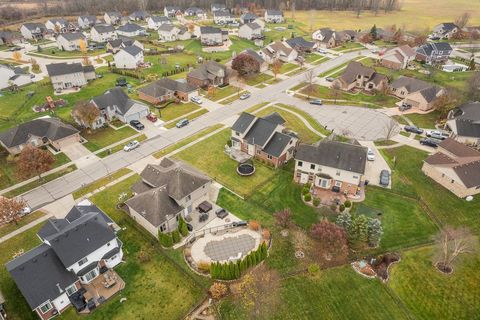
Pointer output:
x,y
61,143
138,115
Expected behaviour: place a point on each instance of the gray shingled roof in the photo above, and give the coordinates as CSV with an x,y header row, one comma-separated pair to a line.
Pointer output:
x,y
51,128
254,55
72,36
103,28
273,12
207,70
430,94
210,30
300,42
275,117
130,27
59,69
411,84
468,120
260,132
354,69
166,27
249,16
38,273
160,87
132,50
339,155
277,144
243,122
469,173
114,97
160,19
32,26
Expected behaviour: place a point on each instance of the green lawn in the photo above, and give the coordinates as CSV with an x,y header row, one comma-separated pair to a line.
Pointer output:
x,y
8,228
298,29
100,183
233,98
339,69
103,137
400,119
427,120
175,110
287,67
190,117
349,46
256,107
428,294
222,93
56,53
384,143
167,63
257,79
119,147
293,123
220,167
307,117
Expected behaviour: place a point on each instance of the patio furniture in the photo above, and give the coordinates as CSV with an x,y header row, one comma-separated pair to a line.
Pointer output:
x,y
203,217
205,206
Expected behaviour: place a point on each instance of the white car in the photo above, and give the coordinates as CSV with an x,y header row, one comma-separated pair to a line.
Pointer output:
x,y
196,100
370,155
131,145
25,211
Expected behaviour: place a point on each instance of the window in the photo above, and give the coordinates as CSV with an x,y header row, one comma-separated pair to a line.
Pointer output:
x,y
443,175
355,177
299,163
324,183
162,228
44,308
453,181
312,166
83,261
176,218
338,184
269,157
71,289
91,275
237,133
258,151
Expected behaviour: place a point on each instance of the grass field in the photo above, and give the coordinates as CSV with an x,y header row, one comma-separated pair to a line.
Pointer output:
x,y
427,120
119,147
100,183
190,117
167,62
55,53
176,110
259,78
287,67
221,93
8,228
103,137
307,117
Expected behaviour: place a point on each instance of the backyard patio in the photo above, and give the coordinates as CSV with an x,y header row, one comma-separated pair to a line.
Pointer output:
x,y
101,289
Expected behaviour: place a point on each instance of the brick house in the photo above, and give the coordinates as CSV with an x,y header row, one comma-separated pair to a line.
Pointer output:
x,y
210,73
264,138
464,123
331,165
358,76
165,89
416,93
398,58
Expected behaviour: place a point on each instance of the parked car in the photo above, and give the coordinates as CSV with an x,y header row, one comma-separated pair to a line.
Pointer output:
x,y
14,49
196,100
221,213
318,102
182,123
413,129
240,223
322,51
152,117
137,125
121,82
245,96
25,211
384,178
429,142
370,155
436,134
330,79
405,107
131,145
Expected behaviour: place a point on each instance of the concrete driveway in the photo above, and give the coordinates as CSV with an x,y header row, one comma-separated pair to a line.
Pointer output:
x,y
76,151
152,129
373,168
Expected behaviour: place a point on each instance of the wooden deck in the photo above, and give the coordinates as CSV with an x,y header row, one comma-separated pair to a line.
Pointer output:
x,y
97,289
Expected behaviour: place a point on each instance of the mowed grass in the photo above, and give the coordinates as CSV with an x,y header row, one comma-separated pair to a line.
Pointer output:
x,y
222,93
8,228
307,117
176,110
190,117
427,120
257,79
287,67
103,137
100,183
429,294
218,165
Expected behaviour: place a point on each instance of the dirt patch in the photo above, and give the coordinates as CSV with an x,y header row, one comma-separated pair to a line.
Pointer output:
x,y
440,266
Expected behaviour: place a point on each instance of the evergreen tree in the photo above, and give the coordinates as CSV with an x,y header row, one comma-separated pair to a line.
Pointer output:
x,y
374,32
237,271
254,259
375,232
344,220
472,65
224,272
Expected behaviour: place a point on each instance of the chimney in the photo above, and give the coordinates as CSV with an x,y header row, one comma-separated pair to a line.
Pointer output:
x,y
59,288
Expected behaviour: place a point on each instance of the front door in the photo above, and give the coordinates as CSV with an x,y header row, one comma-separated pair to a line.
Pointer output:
x,y
303,178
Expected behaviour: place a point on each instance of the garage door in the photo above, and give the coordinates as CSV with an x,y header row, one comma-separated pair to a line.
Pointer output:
x,y
136,116
67,141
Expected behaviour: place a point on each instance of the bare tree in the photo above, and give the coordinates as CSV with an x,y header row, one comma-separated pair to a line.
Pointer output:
x,y
446,102
309,80
462,20
86,113
390,129
451,243
10,209
473,87
335,92
276,66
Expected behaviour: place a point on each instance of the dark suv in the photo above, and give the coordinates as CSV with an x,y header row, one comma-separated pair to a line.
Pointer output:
x,y
137,125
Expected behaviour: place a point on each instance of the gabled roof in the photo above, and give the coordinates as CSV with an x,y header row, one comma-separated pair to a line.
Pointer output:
x,y
440,159
222,13
243,122
72,36
132,50
354,69
277,144
410,84
248,16
158,19
130,27
430,94
300,42
167,27
339,155
273,12
467,120
210,30
160,87
114,97
261,131
60,69
458,149
103,28
139,14
89,19
114,14
51,128
208,70
448,26
254,55
429,49
32,26
469,173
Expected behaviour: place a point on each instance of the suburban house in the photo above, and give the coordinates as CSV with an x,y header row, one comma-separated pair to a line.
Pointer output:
x,y
39,132
248,18
69,75
112,17
33,31
62,270
154,22
11,38
278,51
210,73
10,76
131,30
210,36
115,45
358,76
326,38
398,58
103,33
166,192
250,31
59,25
263,64
273,16
115,104
172,11
264,138
434,52
128,58
445,30
464,123
170,32
416,93
139,15
71,41
301,45
165,89
331,165
195,12
222,17
456,167
86,22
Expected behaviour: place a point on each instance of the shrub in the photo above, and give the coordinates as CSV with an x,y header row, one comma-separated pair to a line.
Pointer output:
x,y
342,208
165,239
333,207
347,204
182,227
266,234
253,225
308,197
316,202
305,190
203,266
218,290
308,185
313,269
143,256
176,236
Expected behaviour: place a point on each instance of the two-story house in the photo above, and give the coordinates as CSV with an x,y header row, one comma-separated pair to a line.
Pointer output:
x,y
131,30
434,52
172,11
74,252
261,62
139,15
210,36
222,17
214,7
358,76
166,192
250,31
170,32
38,133
248,17
115,104
273,16
128,58
445,30
331,165
69,75
464,123
86,22
165,89
58,25
112,17
398,58
265,138
13,76
279,50
71,41
195,12
103,33
115,45
456,167
416,93
154,22
33,31
301,45
210,73
11,38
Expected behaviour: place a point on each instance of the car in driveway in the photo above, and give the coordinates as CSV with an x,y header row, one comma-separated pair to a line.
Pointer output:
x,y
245,96
370,155
429,142
182,123
405,107
196,100
137,124
413,129
330,79
384,178
435,134
317,102
131,146
152,117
